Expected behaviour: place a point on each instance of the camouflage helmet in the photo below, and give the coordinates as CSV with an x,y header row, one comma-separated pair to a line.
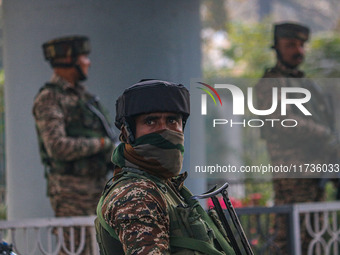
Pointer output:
x,y
149,96
290,30
70,46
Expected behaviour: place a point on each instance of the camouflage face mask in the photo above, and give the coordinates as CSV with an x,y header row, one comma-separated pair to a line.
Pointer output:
x,y
159,153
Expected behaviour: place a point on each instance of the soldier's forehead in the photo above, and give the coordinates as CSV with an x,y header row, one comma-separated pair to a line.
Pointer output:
x,y
288,39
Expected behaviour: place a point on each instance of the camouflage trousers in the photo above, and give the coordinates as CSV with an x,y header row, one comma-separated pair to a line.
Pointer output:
x,y
289,191
74,196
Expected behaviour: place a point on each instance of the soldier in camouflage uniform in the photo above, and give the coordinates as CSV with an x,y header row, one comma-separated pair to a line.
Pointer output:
x,y
312,141
73,131
145,208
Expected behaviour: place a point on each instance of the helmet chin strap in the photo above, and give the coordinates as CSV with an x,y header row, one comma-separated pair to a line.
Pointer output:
x,y
129,134
82,76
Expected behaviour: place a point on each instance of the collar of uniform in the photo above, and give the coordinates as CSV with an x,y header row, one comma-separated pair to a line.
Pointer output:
x,y
178,181
64,84
293,72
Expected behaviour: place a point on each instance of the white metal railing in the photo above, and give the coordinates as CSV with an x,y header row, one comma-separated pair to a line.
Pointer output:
x,y
322,223
34,236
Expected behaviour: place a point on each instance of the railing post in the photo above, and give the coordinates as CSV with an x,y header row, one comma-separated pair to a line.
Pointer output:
x,y
295,227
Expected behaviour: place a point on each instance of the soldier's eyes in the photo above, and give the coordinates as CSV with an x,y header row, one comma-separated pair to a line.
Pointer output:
x,y
149,122
174,120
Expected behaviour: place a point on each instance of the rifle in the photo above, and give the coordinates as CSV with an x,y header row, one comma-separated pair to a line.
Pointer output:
x,y
109,130
212,193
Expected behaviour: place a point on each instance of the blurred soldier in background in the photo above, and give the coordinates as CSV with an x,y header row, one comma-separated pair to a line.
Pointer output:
x,y
312,141
75,136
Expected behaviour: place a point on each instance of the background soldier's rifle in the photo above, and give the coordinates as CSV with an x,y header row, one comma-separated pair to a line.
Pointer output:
x,y
109,130
223,191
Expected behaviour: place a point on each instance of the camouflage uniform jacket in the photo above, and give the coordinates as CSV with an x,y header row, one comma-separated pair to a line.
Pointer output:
x,y
70,134
137,212
308,142
140,213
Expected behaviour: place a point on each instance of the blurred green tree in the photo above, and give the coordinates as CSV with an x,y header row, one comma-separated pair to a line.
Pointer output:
x,y
323,56
249,49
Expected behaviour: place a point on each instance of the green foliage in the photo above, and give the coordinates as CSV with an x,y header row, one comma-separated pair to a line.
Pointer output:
x,y
259,187
2,77
249,49
331,191
323,56
3,211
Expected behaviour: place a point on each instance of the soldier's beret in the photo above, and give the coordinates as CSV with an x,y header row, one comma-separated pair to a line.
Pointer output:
x,y
291,30
70,46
